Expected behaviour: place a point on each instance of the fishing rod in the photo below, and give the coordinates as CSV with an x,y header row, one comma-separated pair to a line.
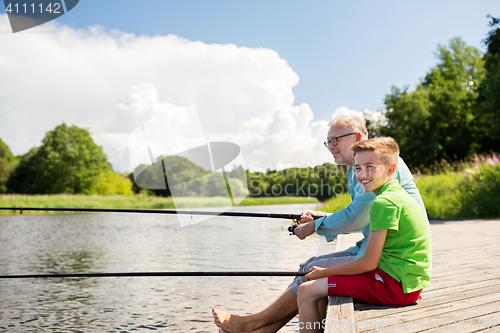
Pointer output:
x,y
149,274
291,229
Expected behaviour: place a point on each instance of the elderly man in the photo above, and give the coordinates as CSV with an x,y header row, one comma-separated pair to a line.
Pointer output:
x,y
343,132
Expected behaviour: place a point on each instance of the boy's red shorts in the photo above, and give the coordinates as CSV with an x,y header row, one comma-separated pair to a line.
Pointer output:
x,y
369,288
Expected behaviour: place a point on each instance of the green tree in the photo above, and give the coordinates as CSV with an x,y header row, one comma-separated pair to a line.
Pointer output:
x,y
109,182
436,120
181,172
7,165
488,103
68,161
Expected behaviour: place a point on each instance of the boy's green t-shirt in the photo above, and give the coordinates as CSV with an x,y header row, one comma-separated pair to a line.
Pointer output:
x,y
406,255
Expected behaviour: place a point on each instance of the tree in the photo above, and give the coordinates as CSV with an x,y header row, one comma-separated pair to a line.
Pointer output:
x,y
110,182
68,161
183,173
7,165
488,103
436,120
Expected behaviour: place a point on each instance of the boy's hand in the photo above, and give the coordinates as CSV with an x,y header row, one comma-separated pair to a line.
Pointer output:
x,y
315,273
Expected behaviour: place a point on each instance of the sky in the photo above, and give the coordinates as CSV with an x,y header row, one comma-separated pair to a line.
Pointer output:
x,y
266,75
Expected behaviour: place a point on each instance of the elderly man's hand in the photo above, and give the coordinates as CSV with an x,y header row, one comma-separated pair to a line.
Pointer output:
x,y
304,230
307,214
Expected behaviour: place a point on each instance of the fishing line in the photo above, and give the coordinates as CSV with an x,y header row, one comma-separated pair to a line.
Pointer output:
x,y
150,274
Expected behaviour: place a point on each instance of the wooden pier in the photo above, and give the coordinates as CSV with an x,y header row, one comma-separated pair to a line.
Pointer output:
x,y
464,295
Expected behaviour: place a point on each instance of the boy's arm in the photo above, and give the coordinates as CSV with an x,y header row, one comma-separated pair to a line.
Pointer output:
x,y
368,262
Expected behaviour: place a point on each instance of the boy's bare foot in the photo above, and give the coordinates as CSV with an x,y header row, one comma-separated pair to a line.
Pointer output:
x,y
226,322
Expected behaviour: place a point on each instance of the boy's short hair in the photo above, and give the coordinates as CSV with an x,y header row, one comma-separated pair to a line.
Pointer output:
x,y
351,123
386,148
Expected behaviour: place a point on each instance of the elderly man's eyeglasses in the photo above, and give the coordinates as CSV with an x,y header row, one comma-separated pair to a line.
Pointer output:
x,y
335,140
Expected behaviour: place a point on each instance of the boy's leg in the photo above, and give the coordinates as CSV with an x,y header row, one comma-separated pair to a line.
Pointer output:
x,y
322,305
310,295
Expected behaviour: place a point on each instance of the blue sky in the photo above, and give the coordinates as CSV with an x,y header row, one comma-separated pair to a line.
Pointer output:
x,y
266,75
345,53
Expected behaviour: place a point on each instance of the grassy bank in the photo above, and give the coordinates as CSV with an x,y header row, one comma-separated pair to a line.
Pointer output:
x,y
335,204
470,190
131,202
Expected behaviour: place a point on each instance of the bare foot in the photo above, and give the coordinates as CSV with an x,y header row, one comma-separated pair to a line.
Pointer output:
x,y
226,322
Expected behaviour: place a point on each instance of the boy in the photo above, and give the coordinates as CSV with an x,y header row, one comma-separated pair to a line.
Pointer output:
x,y
396,264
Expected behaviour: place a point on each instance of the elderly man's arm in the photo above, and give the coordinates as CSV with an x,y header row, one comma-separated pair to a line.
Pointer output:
x,y
354,217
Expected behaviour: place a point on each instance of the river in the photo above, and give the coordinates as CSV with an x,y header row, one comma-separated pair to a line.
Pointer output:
x,y
81,243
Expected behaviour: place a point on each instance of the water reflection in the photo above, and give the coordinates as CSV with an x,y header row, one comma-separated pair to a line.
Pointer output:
x,y
129,242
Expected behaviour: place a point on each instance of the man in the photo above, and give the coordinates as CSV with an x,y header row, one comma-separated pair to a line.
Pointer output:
x,y
343,132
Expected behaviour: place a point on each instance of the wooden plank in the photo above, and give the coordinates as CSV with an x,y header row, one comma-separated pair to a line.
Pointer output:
x,y
463,320
482,323
480,305
426,302
465,282
340,315
460,289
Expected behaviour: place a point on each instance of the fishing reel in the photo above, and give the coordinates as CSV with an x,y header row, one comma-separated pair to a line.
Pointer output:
x,y
291,228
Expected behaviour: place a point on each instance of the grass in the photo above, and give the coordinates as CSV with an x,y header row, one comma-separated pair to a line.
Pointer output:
x,y
130,202
336,203
468,189
441,194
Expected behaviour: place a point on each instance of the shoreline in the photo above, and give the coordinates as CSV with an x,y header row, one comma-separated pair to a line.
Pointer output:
x,y
130,202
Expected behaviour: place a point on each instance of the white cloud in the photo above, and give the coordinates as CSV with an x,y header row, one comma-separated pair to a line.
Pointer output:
x,y
111,82
345,111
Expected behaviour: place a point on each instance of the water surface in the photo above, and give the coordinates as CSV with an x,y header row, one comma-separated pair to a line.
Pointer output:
x,y
82,243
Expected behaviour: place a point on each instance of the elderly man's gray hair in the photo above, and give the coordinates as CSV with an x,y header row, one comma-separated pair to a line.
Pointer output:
x,y
351,123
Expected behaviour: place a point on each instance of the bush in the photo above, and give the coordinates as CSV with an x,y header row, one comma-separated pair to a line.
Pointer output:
x,y
109,182
480,192
440,194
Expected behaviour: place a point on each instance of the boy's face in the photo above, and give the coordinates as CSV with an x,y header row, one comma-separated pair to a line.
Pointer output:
x,y
371,172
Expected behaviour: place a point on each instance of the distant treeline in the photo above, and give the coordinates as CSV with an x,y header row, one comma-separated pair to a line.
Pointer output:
x,y
322,182
70,162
